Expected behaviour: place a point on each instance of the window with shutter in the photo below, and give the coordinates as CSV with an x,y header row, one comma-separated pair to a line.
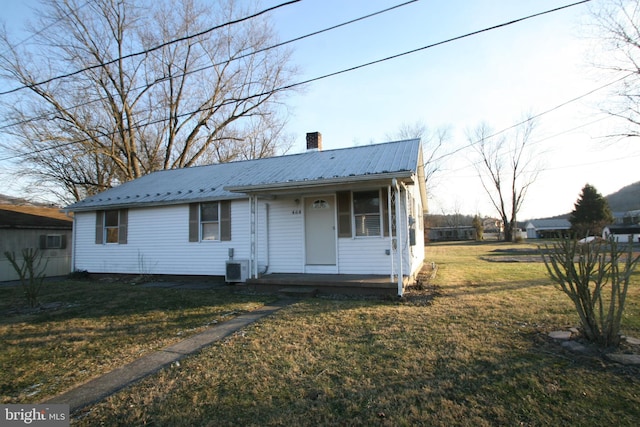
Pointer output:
x,y
366,213
210,221
112,226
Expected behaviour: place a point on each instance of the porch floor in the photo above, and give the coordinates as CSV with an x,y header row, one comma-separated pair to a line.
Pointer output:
x,y
359,284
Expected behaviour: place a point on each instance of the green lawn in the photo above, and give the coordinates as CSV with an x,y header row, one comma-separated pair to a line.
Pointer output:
x,y
475,354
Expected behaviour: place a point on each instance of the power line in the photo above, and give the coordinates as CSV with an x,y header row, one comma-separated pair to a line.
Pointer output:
x,y
235,58
46,27
149,50
325,76
493,135
566,131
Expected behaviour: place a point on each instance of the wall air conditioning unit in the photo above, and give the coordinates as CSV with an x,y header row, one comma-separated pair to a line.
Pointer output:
x,y
237,271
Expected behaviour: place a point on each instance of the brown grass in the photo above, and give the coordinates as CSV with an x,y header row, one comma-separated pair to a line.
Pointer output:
x,y
89,328
476,354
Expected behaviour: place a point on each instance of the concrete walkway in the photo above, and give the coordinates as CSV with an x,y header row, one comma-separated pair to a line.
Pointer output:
x,y
106,385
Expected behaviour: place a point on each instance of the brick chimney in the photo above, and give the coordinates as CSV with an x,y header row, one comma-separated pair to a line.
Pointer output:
x,y
314,141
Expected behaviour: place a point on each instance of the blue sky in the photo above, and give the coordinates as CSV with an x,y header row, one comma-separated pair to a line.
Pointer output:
x,y
496,77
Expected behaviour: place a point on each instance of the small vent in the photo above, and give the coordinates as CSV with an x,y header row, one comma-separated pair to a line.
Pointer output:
x,y
237,271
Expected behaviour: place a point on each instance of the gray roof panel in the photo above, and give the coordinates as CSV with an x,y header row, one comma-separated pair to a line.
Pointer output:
x,y
223,181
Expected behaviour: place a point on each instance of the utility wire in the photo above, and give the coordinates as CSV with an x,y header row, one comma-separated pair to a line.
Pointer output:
x,y
409,52
290,86
493,135
160,46
538,141
159,80
45,28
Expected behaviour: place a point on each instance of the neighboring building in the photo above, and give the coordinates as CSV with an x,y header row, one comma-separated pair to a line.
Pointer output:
x,y
547,228
348,211
622,233
493,229
42,228
462,232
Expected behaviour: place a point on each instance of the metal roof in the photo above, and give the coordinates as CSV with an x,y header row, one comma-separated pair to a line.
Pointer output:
x,y
399,159
550,224
14,216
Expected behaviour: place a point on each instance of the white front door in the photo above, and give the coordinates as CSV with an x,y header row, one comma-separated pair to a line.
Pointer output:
x,y
320,230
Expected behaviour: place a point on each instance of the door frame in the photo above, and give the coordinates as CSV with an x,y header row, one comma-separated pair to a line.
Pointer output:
x,y
320,268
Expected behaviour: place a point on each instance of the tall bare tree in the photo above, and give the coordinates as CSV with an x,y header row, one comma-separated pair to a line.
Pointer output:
x,y
617,24
193,96
506,167
432,143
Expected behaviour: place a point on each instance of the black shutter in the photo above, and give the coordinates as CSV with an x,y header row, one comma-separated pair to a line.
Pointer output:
x,y
225,220
194,219
123,225
384,201
99,227
343,199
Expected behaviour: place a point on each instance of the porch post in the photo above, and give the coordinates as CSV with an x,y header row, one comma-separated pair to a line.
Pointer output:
x,y
399,244
253,263
390,221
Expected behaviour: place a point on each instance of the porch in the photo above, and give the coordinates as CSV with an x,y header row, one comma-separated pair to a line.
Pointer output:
x,y
325,284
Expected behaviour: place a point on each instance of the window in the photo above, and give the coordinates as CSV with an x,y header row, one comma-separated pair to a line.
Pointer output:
x,y
111,226
210,221
53,241
366,212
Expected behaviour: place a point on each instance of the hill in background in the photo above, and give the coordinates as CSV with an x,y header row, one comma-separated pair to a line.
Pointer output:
x,y
625,199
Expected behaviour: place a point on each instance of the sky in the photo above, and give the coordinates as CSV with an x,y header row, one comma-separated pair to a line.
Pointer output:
x,y
496,77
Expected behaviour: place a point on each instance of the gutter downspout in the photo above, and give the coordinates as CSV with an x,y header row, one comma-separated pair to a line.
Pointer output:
x,y
253,215
73,244
399,244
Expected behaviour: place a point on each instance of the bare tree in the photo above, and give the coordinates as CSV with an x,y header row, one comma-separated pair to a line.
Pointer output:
x,y
193,96
432,143
506,170
617,24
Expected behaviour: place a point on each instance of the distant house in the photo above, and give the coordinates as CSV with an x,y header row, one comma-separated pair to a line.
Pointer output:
x,y
493,228
439,234
622,233
547,228
46,229
350,211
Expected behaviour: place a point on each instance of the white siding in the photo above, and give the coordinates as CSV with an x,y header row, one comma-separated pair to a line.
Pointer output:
x,y
364,255
158,243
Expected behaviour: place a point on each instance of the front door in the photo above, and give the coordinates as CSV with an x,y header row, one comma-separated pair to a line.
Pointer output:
x,y
320,230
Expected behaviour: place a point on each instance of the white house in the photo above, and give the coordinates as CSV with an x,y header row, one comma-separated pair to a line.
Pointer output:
x,y
547,228
348,211
622,233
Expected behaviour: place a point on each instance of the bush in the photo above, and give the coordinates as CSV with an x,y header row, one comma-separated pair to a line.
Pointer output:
x,y
584,271
30,272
